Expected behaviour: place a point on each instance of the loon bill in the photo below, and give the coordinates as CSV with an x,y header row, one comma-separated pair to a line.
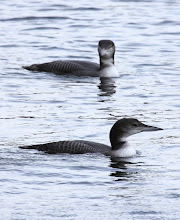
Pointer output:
x,y
118,134
106,68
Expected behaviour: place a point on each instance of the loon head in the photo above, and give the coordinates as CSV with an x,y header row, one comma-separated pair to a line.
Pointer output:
x,y
106,49
127,127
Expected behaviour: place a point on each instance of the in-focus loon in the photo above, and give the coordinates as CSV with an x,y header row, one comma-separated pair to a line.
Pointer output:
x,y
106,49
118,134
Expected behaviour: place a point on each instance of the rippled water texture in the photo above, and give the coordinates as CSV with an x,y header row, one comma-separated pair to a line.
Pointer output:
x,y
42,107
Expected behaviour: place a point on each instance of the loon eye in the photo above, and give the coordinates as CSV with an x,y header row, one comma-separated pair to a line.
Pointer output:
x,y
134,125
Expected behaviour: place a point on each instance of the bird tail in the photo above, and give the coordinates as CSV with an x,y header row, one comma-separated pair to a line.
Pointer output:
x,y
28,147
33,67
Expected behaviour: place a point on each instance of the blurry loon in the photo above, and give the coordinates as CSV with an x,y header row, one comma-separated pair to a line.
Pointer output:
x,y
118,134
106,49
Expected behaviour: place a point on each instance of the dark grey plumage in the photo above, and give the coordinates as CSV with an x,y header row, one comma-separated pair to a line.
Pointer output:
x,y
74,67
71,147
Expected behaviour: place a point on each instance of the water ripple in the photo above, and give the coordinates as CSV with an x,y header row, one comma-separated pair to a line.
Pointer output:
x,y
43,107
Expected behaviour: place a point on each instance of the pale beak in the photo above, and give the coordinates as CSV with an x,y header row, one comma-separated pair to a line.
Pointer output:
x,y
150,128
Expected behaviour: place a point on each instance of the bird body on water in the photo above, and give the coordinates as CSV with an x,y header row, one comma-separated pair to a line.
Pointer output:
x,y
118,134
106,68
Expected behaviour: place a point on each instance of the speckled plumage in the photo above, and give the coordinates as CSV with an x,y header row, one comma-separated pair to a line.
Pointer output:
x,y
71,147
71,67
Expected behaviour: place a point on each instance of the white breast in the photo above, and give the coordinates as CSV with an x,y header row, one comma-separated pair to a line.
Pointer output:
x,y
125,151
109,71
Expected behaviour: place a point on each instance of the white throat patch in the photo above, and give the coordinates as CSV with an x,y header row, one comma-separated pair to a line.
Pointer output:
x,y
125,151
109,71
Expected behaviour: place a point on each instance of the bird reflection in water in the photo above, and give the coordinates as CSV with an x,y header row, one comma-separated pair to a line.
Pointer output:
x,y
124,169
107,86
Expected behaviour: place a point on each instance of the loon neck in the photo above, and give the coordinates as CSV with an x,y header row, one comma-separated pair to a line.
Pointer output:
x,y
118,143
106,62
117,137
120,147
107,67
124,151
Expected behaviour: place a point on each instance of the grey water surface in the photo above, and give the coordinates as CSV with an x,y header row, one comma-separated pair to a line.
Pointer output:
x,y
43,107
